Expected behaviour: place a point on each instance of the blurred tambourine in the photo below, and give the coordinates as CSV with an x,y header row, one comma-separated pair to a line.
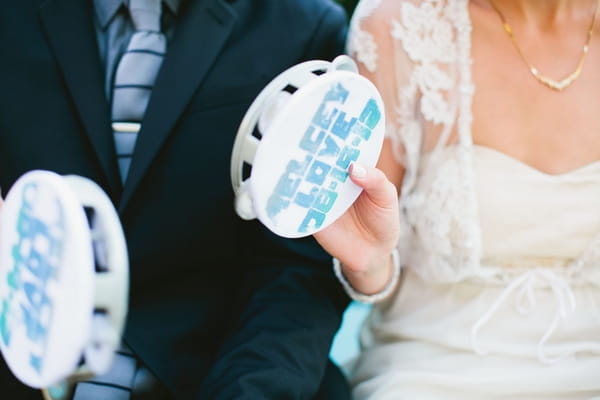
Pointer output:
x,y
289,165
63,279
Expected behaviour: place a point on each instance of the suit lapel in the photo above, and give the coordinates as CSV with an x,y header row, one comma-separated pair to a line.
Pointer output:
x,y
72,38
201,32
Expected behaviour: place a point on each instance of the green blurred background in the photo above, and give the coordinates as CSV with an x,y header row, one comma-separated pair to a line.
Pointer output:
x,y
348,4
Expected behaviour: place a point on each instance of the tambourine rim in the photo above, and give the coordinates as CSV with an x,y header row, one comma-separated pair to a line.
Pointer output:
x,y
113,284
253,113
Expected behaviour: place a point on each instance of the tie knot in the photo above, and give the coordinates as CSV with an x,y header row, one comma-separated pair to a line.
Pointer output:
x,y
145,14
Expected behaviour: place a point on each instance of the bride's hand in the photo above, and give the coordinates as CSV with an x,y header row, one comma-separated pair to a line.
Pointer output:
x,y
364,237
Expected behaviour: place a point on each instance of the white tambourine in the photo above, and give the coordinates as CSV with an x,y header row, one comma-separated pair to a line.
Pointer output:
x,y
63,279
294,146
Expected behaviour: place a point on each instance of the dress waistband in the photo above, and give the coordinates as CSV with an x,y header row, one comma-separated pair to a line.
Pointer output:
x,y
524,287
528,262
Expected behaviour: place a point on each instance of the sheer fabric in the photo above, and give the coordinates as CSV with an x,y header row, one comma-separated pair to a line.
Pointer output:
x,y
535,337
418,55
500,292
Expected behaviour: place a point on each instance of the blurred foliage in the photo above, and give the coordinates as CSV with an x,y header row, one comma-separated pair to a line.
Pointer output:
x,y
348,5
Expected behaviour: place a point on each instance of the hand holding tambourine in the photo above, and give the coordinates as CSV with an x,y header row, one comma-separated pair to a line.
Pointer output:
x,y
303,163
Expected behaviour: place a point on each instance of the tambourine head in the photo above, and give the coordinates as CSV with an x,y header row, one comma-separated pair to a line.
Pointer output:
x,y
299,181
46,279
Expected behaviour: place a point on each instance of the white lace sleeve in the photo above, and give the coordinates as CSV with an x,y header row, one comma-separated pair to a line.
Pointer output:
x,y
383,59
417,53
361,42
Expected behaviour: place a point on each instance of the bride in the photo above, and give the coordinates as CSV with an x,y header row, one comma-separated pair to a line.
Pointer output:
x,y
485,274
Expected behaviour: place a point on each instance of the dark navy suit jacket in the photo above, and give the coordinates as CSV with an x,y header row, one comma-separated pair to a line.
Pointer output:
x,y
219,307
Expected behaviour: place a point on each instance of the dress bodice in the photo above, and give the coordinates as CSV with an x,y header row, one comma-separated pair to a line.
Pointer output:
x,y
531,217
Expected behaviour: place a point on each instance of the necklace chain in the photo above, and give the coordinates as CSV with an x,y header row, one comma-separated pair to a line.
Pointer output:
x,y
551,83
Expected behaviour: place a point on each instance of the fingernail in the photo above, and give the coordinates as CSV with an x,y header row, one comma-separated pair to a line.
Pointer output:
x,y
358,171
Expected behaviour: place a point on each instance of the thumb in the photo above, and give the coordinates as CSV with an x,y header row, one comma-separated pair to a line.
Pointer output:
x,y
378,188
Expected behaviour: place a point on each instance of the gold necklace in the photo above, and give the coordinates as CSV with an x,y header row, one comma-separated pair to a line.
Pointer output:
x,y
551,83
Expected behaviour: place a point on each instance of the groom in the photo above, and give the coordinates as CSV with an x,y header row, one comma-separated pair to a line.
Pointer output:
x,y
219,308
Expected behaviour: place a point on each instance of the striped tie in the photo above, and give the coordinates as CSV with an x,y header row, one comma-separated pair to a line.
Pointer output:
x,y
135,77
127,379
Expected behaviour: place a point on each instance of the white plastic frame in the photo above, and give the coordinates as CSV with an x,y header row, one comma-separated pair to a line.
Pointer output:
x,y
99,241
269,114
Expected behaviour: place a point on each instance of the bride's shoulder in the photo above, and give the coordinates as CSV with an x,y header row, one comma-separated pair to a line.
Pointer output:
x,y
390,9
384,16
377,10
418,25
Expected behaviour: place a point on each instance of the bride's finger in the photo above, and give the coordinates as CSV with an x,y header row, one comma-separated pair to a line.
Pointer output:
x,y
379,189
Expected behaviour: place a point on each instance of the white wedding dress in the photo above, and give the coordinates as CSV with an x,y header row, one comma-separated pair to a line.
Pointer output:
x,y
500,290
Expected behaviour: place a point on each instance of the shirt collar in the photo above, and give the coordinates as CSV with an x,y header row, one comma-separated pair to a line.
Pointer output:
x,y
106,9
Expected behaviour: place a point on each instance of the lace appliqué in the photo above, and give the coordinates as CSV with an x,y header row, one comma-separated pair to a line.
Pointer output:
x,y
361,43
440,229
440,236
427,36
